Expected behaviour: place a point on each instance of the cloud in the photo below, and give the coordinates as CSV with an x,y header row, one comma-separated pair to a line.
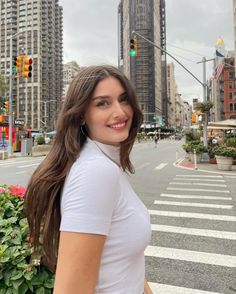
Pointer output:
x,y
90,31
90,34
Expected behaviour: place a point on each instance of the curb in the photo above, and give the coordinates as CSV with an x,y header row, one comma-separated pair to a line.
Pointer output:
x,y
178,162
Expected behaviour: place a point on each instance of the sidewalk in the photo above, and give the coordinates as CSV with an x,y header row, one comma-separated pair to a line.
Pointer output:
x,y
203,166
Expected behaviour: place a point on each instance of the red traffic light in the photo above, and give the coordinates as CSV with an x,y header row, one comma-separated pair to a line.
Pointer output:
x,y
30,60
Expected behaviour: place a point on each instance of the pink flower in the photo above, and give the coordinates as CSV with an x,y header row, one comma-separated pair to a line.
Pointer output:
x,y
2,190
17,190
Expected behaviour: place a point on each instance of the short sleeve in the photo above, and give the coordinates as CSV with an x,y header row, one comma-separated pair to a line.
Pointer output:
x,y
89,196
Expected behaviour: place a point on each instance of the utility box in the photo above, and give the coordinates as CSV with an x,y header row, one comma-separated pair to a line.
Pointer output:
x,y
26,146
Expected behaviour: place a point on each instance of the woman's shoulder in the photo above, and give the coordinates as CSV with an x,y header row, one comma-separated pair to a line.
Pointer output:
x,y
94,164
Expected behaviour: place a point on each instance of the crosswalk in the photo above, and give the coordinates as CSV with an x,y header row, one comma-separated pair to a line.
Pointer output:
x,y
194,235
20,163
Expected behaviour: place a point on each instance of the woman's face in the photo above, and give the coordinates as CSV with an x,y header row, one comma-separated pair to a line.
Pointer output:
x,y
109,115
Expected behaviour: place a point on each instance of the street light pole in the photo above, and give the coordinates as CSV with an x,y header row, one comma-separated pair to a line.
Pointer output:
x,y
10,150
204,60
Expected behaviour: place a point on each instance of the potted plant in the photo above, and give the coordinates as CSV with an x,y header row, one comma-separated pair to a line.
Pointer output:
x,y
211,153
224,156
21,271
197,146
204,106
231,142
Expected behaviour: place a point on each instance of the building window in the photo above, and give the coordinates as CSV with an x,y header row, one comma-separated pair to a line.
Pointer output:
x,y
231,107
234,106
230,95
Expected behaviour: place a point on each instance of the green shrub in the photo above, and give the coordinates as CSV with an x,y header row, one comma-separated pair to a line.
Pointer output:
x,y
194,145
20,270
190,136
40,140
231,142
224,150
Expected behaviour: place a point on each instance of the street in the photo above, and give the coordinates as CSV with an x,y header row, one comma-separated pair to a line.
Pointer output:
x,y
193,217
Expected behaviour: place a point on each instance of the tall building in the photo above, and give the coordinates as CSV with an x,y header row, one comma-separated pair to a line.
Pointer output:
x,y
171,93
70,70
234,11
146,17
35,27
229,87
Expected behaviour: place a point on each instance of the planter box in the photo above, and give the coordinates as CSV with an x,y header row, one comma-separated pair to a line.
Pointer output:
x,y
212,160
198,157
224,163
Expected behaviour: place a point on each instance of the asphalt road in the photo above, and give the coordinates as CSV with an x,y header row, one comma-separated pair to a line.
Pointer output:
x,y
193,217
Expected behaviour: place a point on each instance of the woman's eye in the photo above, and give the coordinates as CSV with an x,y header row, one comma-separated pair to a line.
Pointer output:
x,y
124,100
102,103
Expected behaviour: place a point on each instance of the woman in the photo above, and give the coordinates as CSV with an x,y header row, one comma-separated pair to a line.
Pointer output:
x,y
94,227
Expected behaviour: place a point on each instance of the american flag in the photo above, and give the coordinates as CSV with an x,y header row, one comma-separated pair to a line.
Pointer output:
x,y
218,71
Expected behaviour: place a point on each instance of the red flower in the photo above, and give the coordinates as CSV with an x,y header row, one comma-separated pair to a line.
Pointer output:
x,y
17,190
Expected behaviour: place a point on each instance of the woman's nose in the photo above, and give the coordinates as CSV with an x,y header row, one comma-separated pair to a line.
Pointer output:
x,y
118,111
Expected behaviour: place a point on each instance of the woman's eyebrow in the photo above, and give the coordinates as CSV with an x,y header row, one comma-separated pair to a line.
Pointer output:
x,y
106,96
101,97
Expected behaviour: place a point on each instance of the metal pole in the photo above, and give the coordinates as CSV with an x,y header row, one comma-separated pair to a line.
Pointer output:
x,y
10,150
204,60
10,101
45,111
204,100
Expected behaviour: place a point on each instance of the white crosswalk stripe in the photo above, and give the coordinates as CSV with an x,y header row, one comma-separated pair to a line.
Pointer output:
x,y
196,232
193,204
196,256
182,196
180,214
168,289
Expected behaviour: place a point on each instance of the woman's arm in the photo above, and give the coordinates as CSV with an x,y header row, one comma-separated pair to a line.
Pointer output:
x,y
78,263
147,289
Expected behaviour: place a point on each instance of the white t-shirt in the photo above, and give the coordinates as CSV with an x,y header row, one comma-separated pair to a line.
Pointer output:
x,y
97,198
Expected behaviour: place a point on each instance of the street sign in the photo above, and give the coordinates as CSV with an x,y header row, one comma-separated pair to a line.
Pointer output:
x,y
19,122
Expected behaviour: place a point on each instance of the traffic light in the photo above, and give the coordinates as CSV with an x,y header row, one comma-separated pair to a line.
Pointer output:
x,y
133,47
194,118
17,64
27,67
6,106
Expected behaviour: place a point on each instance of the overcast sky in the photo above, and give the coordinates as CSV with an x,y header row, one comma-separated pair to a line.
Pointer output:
x,y
90,35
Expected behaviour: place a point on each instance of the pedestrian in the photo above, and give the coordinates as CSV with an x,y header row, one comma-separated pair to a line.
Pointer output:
x,y
94,227
155,140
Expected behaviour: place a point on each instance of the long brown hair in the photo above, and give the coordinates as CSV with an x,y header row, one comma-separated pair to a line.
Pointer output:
x,y
45,186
